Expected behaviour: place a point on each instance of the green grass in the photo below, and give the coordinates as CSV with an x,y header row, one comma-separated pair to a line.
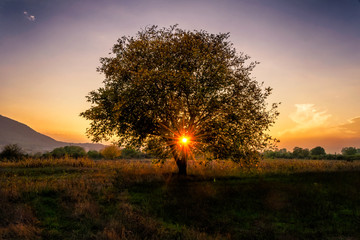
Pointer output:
x,y
303,206
136,200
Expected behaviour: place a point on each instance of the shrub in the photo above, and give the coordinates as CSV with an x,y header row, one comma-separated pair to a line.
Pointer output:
x,y
12,152
111,152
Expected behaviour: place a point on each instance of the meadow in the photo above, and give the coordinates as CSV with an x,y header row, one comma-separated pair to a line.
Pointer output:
x,y
132,199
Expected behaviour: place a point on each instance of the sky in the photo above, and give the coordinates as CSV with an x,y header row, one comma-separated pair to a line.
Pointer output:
x,y
309,53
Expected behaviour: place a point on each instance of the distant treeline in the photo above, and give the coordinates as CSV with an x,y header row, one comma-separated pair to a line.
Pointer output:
x,y
14,152
347,153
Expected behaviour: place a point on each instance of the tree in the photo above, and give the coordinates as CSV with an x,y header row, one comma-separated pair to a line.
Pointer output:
x,y
75,151
299,152
93,154
317,151
70,151
12,152
58,152
176,92
130,152
349,151
111,152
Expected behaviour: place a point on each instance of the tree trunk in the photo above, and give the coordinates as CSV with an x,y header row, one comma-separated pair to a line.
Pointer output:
x,y
181,163
180,159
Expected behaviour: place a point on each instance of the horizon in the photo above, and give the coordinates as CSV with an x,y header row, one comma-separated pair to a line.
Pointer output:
x,y
308,53
184,139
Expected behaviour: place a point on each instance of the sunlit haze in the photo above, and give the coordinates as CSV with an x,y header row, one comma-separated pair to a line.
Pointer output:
x,y
309,53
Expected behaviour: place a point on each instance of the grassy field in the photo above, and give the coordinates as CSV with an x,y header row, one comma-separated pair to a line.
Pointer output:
x,y
83,199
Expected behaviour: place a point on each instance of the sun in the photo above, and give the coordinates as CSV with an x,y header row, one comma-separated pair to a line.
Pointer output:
x,y
184,140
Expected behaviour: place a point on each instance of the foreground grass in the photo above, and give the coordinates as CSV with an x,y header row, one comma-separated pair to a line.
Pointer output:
x,y
83,199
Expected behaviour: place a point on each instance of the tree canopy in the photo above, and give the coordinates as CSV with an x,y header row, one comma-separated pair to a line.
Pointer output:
x,y
349,151
70,151
167,83
299,152
317,151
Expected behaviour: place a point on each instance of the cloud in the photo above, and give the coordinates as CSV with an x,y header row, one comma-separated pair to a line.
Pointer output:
x,y
307,116
352,127
314,127
29,17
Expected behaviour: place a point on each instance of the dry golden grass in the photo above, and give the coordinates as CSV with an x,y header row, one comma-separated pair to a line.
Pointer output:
x,y
289,166
50,162
213,168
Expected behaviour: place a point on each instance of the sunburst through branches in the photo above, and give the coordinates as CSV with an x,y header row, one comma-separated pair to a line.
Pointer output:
x,y
183,140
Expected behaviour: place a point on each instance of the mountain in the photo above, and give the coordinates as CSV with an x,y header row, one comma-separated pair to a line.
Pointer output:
x,y
14,132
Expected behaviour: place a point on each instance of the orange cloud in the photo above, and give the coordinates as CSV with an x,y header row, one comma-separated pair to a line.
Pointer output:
x,y
309,122
307,116
352,127
314,128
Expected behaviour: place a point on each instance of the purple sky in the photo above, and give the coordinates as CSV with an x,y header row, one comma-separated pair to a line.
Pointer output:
x,y
309,52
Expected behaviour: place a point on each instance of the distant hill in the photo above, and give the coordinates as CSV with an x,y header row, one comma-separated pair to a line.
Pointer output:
x,y
14,132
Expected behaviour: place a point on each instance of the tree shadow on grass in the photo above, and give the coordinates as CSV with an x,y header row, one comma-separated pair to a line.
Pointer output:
x,y
297,206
